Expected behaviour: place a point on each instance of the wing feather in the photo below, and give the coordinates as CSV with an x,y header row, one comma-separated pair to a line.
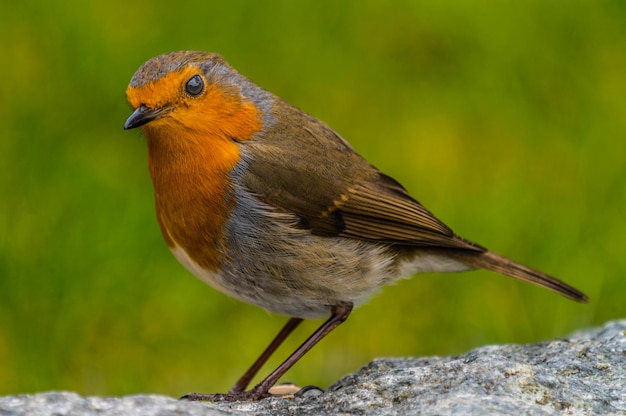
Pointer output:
x,y
303,167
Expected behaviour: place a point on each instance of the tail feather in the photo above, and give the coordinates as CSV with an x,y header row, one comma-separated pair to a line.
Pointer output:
x,y
494,262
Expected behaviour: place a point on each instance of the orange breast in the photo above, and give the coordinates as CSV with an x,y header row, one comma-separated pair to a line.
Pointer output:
x,y
191,189
191,153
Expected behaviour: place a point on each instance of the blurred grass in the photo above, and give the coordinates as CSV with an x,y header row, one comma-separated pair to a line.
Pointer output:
x,y
507,121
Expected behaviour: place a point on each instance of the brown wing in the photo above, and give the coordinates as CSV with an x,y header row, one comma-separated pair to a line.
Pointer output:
x,y
302,166
384,211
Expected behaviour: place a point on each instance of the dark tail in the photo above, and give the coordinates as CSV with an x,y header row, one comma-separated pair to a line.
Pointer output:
x,y
491,261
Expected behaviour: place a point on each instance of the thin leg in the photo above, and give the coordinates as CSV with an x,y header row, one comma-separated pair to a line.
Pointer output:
x,y
340,313
243,382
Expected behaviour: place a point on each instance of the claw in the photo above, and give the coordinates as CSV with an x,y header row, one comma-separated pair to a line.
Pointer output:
x,y
245,396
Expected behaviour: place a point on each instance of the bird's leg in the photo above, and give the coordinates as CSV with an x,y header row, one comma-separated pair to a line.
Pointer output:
x,y
340,313
243,382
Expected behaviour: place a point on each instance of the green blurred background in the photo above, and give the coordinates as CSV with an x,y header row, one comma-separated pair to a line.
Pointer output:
x,y
506,119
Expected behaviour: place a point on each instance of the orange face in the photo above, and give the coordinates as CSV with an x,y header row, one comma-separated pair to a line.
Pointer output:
x,y
215,110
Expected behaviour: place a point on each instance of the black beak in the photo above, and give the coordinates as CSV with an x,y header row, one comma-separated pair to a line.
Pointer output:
x,y
143,115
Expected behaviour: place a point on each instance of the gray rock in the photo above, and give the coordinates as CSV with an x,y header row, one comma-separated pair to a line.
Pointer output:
x,y
582,375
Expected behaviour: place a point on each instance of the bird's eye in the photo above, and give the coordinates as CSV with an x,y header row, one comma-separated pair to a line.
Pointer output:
x,y
194,86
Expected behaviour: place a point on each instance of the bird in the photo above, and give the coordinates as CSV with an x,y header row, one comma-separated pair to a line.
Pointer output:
x,y
271,206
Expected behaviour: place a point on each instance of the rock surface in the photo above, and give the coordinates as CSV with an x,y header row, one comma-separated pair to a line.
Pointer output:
x,y
582,375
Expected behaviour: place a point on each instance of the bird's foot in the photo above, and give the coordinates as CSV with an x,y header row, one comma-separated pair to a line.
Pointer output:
x,y
286,390
243,396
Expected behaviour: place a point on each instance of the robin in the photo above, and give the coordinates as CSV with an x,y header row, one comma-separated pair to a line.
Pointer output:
x,y
269,205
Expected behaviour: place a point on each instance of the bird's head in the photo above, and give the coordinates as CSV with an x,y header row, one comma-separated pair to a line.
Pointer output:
x,y
189,94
